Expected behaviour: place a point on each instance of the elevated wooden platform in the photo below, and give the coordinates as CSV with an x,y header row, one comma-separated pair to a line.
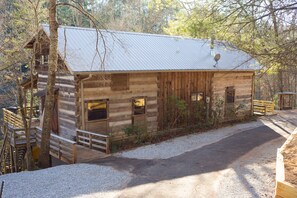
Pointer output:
x,y
85,154
88,146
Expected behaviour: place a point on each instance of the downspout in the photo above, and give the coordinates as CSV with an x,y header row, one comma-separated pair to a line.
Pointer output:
x,y
83,100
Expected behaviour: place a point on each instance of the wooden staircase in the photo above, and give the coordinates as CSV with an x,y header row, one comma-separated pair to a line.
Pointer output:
x,y
11,155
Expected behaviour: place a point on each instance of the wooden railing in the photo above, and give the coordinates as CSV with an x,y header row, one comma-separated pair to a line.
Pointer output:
x,y
93,140
17,136
15,119
263,107
12,119
61,148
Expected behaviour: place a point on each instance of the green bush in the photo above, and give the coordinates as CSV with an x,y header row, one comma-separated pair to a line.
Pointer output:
x,y
138,131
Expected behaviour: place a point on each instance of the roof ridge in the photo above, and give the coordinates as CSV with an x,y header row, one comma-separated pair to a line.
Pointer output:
x,y
131,33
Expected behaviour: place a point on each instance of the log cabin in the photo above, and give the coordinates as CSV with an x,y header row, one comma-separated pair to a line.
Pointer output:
x,y
110,80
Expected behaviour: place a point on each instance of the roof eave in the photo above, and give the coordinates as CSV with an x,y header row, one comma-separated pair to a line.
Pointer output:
x,y
154,71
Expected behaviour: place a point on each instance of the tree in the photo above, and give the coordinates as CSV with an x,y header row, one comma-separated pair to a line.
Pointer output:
x,y
44,158
266,29
18,24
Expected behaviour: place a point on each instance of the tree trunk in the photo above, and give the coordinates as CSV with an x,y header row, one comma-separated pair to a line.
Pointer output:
x,y
44,157
21,101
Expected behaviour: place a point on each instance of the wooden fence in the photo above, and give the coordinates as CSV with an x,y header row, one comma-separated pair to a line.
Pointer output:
x,y
262,107
61,148
93,140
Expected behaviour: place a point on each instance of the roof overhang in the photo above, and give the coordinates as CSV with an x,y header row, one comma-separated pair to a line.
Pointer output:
x,y
157,71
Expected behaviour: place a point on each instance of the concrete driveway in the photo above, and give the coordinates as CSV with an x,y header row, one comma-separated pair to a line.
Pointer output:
x,y
239,165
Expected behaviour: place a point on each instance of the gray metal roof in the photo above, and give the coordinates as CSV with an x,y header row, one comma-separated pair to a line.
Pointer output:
x,y
132,52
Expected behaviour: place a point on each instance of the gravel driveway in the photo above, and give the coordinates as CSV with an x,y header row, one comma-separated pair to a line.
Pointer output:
x,y
236,161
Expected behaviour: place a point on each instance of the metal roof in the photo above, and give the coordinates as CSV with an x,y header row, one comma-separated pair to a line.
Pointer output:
x,y
132,52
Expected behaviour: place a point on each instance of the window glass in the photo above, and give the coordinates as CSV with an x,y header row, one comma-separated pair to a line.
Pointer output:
x,y
197,96
230,95
97,110
139,106
194,97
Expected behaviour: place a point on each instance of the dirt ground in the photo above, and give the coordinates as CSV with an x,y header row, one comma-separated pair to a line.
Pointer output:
x,y
290,161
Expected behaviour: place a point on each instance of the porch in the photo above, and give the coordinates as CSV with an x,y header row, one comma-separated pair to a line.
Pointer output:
x,y
87,146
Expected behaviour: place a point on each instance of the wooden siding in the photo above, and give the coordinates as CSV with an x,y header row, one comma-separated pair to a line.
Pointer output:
x,y
120,102
181,85
243,85
66,85
66,101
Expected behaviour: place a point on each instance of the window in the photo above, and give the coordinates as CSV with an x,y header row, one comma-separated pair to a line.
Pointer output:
x,y
119,82
97,110
139,106
196,97
230,95
44,59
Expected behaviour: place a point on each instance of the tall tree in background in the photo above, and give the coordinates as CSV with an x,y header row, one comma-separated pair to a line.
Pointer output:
x,y
20,19
266,29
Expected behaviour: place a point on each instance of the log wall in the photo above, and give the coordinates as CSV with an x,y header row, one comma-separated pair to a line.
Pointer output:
x,y
66,94
243,85
119,102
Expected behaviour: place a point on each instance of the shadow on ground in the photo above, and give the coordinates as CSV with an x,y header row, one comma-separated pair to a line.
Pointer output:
x,y
209,158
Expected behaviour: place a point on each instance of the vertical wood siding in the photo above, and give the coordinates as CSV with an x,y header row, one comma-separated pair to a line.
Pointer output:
x,y
181,85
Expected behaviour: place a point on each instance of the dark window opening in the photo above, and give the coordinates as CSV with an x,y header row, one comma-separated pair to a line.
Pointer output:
x,y
139,106
97,110
230,95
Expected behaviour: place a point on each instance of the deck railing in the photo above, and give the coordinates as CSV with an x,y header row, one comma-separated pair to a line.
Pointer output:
x,y
12,119
61,148
263,107
15,120
93,140
17,136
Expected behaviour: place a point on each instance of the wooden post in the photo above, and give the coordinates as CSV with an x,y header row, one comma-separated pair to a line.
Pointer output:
x,y
107,145
90,140
11,160
74,153
15,159
59,149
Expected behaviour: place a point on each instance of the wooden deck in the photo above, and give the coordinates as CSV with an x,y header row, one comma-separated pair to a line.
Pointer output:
x,y
85,154
87,147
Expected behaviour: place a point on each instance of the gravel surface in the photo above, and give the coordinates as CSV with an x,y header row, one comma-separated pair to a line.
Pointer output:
x,y
180,145
252,175
79,180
